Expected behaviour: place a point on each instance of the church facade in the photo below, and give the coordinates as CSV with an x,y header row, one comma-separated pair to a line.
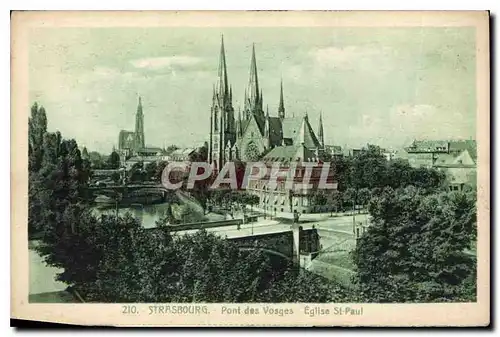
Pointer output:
x,y
132,144
255,133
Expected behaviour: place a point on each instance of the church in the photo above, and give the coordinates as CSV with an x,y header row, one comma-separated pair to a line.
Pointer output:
x,y
255,134
131,144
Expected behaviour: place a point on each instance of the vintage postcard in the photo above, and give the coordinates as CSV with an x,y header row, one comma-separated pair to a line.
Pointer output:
x,y
251,168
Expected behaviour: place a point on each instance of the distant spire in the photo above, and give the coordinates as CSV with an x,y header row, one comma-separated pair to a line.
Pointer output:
x,y
261,99
320,130
281,108
139,106
267,110
230,93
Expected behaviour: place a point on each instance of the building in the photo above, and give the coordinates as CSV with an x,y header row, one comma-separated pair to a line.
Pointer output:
x,y
423,153
459,168
129,142
301,198
456,158
181,155
334,151
222,123
255,132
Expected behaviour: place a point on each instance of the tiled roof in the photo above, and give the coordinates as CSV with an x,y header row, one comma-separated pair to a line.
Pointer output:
x,y
460,145
150,149
291,153
290,127
306,135
182,151
275,130
428,145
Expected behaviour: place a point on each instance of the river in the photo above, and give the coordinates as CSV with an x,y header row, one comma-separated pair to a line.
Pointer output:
x,y
149,214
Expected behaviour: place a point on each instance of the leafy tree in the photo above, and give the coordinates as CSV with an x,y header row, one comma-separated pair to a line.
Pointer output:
x,y
364,195
159,170
37,127
306,287
414,251
150,170
96,160
350,198
85,153
136,172
368,168
113,160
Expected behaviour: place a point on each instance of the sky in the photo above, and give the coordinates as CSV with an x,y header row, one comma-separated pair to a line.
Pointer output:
x,y
384,86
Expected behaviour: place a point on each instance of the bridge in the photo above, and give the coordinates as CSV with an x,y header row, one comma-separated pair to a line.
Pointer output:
x,y
125,191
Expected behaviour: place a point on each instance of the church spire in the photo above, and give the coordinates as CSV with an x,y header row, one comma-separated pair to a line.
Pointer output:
x,y
261,99
222,85
320,131
139,106
281,108
139,127
253,85
239,128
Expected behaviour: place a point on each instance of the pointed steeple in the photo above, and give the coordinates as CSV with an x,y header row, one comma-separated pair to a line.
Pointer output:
x,y
306,135
222,85
139,106
239,129
230,93
253,85
261,99
281,108
320,131
139,127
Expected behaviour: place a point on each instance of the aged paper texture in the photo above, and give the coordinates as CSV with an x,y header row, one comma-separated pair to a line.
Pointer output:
x,y
251,168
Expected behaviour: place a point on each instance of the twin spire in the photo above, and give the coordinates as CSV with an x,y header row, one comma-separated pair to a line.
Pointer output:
x,y
222,87
253,83
253,103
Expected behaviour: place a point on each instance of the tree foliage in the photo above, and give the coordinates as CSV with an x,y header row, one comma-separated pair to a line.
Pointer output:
x,y
363,175
113,160
414,250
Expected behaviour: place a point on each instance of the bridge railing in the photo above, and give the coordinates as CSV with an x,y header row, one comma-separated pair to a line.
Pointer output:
x,y
204,225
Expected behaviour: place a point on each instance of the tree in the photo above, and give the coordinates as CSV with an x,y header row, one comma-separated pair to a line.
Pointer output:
x,y
159,170
349,198
114,160
368,168
151,170
37,127
364,196
414,249
136,172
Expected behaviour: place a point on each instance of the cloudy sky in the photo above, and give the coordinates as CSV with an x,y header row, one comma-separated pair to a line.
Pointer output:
x,y
380,85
